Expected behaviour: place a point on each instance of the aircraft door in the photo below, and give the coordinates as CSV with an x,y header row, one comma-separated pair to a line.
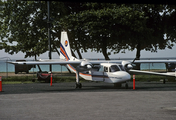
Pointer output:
x,y
106,72
98,75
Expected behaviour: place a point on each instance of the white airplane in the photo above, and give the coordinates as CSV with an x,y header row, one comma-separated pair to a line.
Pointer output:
x,y
114,71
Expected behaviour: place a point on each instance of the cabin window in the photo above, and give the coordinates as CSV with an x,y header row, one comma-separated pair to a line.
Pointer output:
x,y
114,68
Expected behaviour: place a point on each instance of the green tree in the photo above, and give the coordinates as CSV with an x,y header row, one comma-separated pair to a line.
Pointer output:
x,y
21,25
25,23
120,27
170,17
95,26
108,26
152,38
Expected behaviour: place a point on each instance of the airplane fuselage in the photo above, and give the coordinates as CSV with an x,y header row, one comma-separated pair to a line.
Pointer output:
x,y
105,72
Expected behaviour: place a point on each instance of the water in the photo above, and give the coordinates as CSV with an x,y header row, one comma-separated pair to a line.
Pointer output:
x,y
6,67
153,66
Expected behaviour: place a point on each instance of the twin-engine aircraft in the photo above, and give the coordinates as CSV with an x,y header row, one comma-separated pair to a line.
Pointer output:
x,y
112,71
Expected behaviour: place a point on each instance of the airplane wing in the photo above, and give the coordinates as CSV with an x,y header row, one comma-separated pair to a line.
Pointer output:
x,y
46,62
62,61
131,61
172,74
154,61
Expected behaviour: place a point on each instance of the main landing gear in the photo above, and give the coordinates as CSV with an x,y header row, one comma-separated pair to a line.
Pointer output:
x,y
77,84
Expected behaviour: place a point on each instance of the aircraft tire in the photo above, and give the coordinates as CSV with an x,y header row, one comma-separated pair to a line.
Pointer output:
x,y
78,85
126,85
164,81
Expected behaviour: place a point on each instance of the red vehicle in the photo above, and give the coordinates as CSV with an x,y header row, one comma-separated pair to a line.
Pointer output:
x,y
43,76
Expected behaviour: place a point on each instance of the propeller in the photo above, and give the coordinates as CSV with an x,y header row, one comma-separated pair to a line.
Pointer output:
x,y
127,65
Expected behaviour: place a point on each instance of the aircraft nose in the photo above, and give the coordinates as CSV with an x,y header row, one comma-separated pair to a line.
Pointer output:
x,y
122,76
127,76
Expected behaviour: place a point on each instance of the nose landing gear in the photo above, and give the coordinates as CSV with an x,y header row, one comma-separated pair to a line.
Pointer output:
x,y
119,85
126,85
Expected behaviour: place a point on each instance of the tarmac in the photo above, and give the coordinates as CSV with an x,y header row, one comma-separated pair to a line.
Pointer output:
x,y
95,101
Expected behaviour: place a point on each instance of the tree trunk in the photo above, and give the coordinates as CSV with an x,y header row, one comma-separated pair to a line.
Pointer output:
x,y
77,48
138,54
79,54
56,49
73,54
104,49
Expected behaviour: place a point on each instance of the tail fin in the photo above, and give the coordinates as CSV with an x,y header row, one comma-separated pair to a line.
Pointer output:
x,y
65,51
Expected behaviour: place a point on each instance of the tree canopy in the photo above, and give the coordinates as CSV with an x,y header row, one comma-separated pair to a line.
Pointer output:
x,y
95,26
120,27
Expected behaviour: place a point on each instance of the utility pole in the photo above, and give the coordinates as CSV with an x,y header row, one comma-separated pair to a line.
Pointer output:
x,y
49,34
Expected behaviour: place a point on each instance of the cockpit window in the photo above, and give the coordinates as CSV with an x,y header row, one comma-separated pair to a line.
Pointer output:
x,y
122,68
101,69
114,68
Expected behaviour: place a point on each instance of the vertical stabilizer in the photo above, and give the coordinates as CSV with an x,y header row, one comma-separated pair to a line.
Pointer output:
x,y
65,51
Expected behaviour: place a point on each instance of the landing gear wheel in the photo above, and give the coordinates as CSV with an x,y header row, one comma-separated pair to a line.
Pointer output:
x,y
164,81
126,85
78,85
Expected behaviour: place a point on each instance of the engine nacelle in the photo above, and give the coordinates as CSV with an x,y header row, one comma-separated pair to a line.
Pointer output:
x,y
127,65
84,66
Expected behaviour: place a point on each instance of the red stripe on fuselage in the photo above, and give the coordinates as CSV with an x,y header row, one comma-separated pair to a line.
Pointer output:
x,y
80,72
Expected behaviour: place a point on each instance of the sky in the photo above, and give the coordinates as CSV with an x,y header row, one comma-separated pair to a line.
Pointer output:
x,y
129,54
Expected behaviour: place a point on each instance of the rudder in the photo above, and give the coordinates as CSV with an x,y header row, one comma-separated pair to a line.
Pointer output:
x,y
65,51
